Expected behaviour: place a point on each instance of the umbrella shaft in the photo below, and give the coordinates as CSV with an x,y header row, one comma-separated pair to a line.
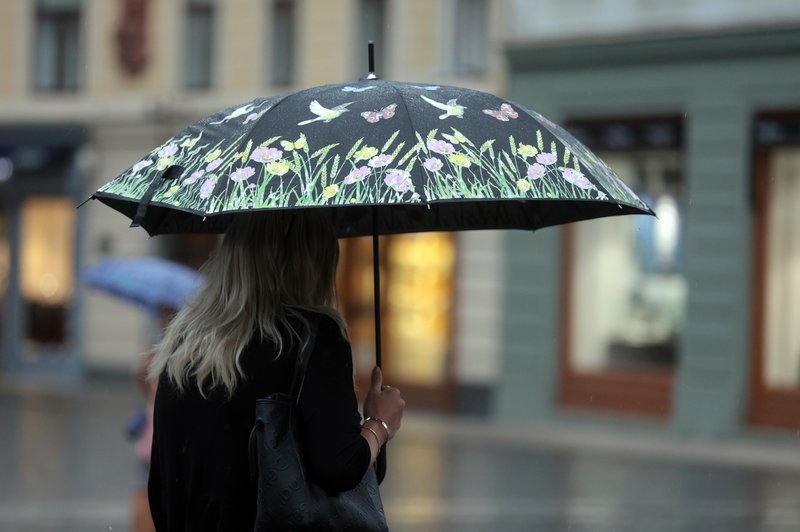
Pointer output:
x,y
376,277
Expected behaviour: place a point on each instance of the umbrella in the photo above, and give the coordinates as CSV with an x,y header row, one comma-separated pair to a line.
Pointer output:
x,y
150,282
382,157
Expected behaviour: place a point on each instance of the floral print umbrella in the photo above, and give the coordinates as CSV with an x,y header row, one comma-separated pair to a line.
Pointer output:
x,y
432,157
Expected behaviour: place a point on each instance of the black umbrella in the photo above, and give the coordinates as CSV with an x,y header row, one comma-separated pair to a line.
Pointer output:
x,y
382,157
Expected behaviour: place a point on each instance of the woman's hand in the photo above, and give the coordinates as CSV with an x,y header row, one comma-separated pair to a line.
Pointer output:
x,y
383,403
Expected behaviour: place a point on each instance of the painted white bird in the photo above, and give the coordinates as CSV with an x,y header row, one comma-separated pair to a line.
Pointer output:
x,y
451,108
323,113
241,111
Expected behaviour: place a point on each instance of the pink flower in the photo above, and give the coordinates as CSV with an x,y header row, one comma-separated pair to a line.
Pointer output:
x,y
142,165
213,165
266,155
207,188
168,151
194,177
536,171
432,164
576,178
398,180
380,160
243,173
440,146
546,158
358,174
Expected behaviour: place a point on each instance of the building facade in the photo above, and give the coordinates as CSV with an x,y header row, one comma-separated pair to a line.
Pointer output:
x,y
689,319
89,86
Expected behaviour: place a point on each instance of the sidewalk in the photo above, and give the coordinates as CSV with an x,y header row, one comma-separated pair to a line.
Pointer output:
x,y
67,468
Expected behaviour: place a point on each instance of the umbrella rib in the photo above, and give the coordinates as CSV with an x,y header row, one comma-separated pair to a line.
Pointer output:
x,y
411,124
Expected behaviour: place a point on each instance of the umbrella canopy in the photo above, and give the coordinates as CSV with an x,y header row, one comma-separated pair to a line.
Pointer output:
x,y
433,157
150,282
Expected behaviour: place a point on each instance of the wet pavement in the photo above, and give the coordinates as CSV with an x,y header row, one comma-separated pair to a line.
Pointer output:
x,y
66,467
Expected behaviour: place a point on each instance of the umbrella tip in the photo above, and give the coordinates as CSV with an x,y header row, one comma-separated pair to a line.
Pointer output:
x,y
371,60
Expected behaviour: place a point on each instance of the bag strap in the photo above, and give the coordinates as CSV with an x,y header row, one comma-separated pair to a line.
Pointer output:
x,y
303,358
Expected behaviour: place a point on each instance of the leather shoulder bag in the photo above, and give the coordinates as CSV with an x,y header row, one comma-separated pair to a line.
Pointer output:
x,y
288,499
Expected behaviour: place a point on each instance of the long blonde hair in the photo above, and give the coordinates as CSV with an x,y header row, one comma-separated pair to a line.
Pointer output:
x,y
270,267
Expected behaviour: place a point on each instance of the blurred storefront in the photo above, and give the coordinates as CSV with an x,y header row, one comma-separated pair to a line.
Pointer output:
x,y
39,259
689,318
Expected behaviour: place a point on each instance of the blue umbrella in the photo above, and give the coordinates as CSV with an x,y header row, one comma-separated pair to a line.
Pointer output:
x,y
150,282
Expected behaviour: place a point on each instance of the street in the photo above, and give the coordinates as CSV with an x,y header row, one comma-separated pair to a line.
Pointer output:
x,y
66,467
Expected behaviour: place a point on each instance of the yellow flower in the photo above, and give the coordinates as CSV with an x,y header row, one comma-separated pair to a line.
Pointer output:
x,y
213,155
526,150
172,190
459,159
524,185
279,167
367,152
163,164
330,191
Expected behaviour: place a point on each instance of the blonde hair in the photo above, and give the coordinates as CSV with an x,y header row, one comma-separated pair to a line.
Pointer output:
x,y
269,268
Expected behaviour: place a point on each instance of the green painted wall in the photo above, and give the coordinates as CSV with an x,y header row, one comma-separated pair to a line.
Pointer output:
x,y
718,89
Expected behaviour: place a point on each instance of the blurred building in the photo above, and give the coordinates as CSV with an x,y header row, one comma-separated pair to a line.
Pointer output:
x,y
690,319
89,86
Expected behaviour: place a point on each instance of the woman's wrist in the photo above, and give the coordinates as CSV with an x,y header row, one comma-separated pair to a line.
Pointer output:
x,y
376,428
383,425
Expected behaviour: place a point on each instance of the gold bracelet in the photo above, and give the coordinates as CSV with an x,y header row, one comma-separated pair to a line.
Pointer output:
x,y
377,439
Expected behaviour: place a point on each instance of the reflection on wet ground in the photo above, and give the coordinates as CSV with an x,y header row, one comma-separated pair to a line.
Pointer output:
x,y
66,467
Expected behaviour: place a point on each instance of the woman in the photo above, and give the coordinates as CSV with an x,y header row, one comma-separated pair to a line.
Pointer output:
x,y
237,342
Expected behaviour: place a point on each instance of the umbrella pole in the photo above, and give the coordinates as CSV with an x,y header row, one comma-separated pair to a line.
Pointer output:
x,y
376,286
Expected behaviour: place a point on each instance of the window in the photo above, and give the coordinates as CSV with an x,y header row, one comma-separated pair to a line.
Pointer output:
x,y
627,292
470,37
57,53
283,38
373,28
199,44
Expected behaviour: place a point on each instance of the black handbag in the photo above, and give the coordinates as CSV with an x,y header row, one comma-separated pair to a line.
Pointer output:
x,y
287,498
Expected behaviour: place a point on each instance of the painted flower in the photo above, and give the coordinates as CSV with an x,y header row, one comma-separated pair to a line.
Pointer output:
x,y
213,155
381,160
172,190
266,155
440,146
601,195
576,178
163,164
398,180
213,165
207,188
546,158
358,174
330,191
168,151
366,152
243,173
194,177
279,167
523,185
526,150
536,171
432,164
138,167
459,159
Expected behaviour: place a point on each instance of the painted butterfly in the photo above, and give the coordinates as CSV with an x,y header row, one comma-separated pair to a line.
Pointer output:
x,y
503,114
374,116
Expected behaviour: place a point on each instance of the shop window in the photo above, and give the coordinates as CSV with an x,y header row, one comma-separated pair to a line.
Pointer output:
x,y
47,263
199,44
57,46
417,297
775,379
283,42
627,292
470,37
